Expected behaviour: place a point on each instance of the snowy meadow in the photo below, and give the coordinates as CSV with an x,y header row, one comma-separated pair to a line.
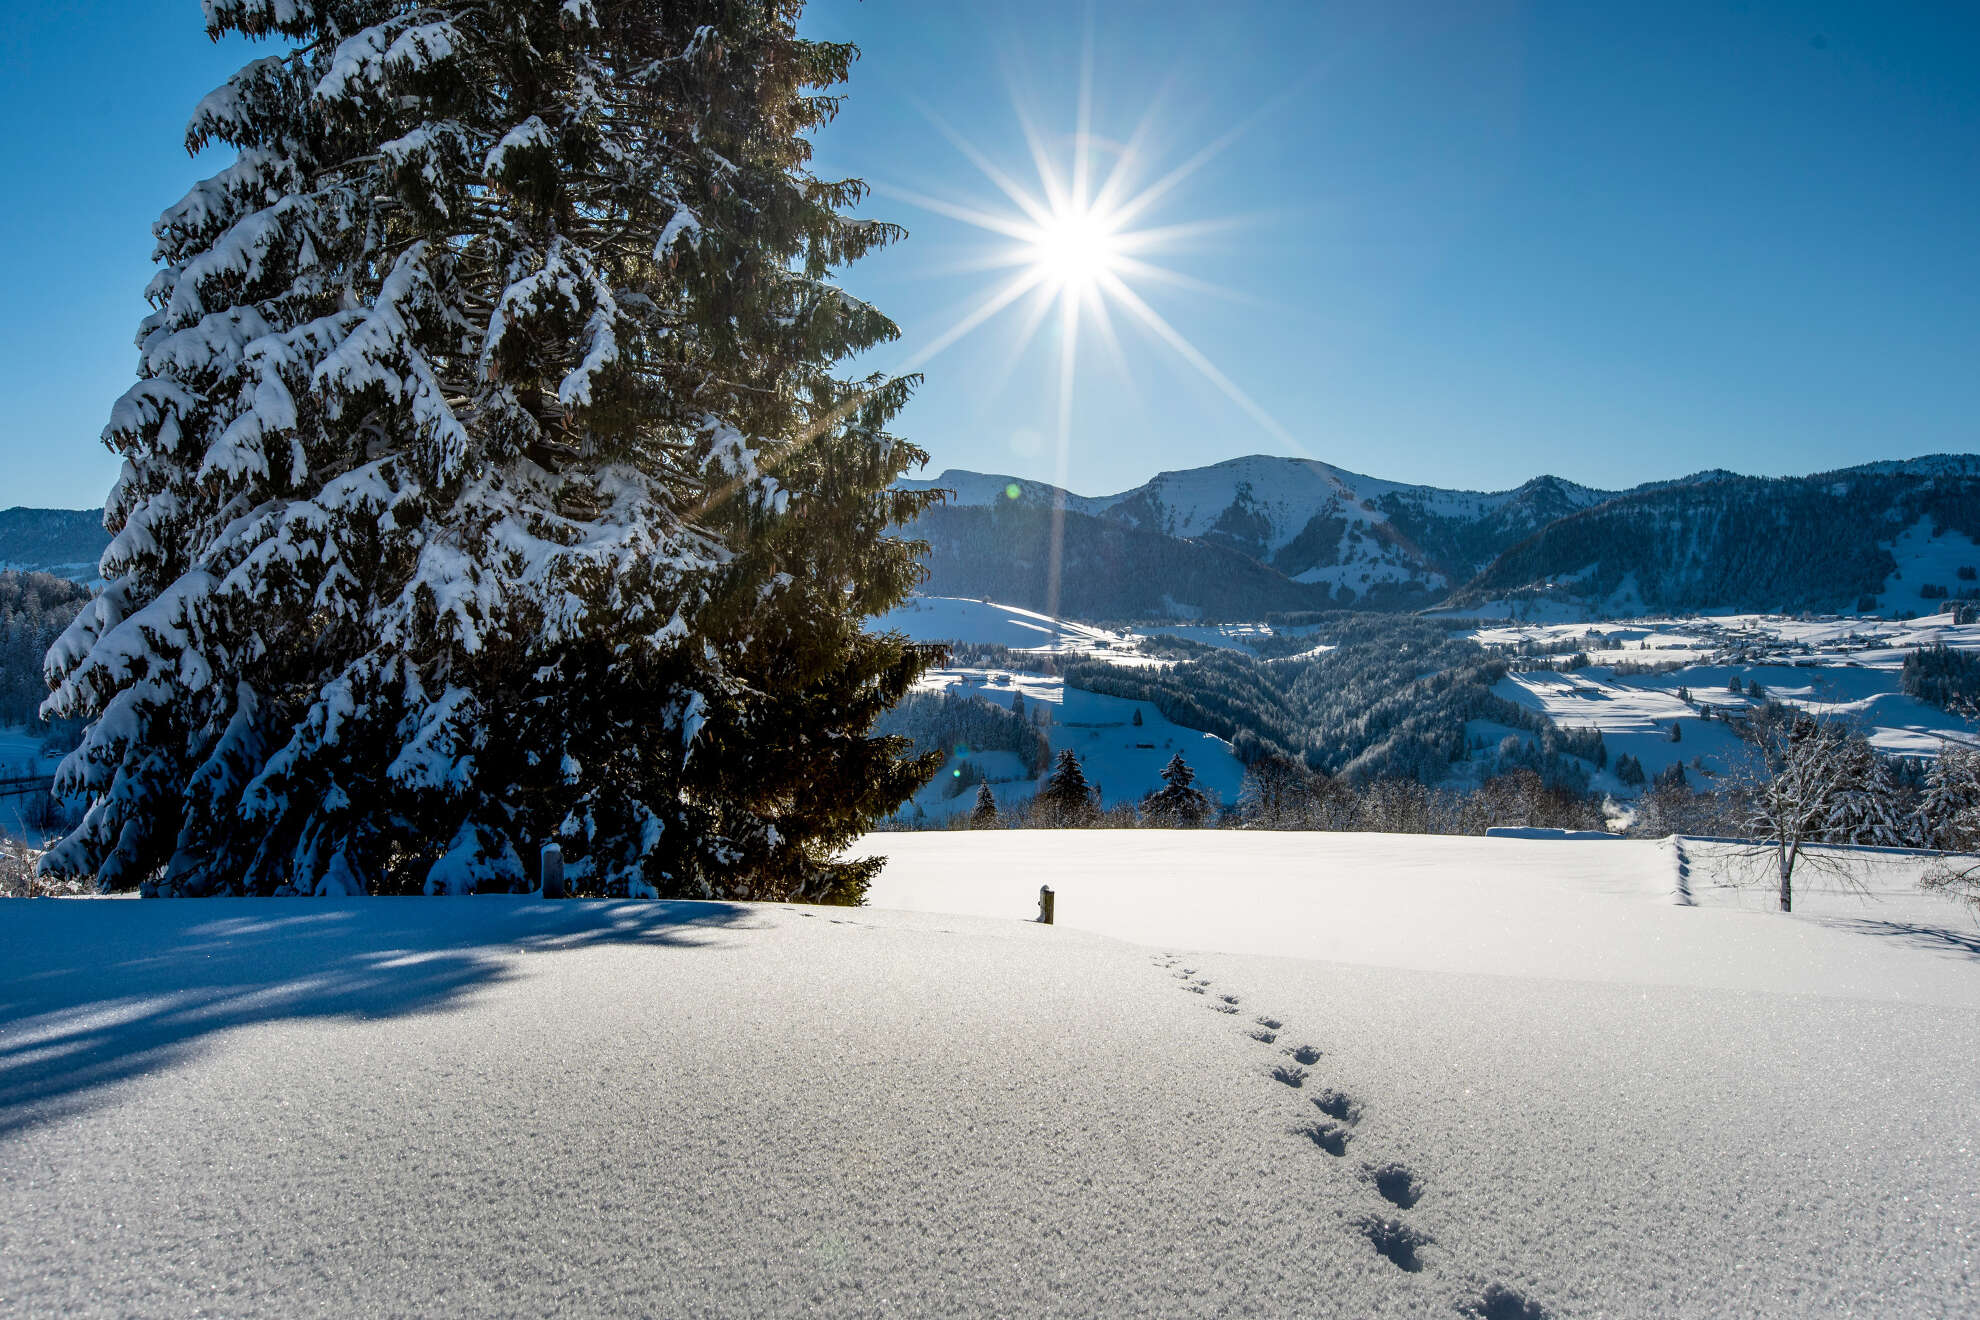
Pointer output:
x,y
1267,1074
542,784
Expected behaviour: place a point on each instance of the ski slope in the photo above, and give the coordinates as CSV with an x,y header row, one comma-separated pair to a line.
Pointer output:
x,y
1533,1084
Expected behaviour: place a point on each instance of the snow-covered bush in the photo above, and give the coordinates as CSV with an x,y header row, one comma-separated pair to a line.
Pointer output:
x,y
486,481
19,877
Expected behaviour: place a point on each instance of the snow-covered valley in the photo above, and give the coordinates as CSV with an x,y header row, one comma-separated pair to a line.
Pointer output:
x,y
1348,1075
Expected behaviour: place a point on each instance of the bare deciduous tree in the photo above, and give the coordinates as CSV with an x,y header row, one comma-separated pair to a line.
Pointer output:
x,y
1796,771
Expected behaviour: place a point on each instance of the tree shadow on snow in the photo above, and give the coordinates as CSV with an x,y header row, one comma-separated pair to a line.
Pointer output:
x,y
95,991
1934,939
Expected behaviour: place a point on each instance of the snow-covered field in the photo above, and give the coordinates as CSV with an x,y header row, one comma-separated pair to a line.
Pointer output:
x,y
1846,669
1533,1075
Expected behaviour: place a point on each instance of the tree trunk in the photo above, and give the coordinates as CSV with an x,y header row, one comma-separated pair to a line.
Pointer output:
x,y
1786,855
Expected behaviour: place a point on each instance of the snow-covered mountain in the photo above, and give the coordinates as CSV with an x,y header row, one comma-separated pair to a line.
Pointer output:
x,y
1311,522
1884,538
1259,533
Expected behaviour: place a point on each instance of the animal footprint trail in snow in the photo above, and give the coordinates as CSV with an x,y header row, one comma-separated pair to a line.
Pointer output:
x,y
1338,1105
1396,1184
1330,1137
1499,1302
1395,1241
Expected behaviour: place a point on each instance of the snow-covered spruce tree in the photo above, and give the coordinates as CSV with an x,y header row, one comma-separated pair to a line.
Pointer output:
x,y
487,480
1067,800
984,814
1948,815
1179,802
1865,808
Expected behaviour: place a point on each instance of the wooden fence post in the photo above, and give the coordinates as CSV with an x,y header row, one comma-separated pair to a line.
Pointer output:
x,y
553,871
1045,897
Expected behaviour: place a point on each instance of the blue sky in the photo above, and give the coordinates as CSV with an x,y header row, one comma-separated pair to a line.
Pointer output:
x,y
1468,242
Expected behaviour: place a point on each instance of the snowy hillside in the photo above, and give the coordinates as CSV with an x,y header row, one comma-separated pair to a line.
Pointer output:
x,y
953,619
1351,1076
1121,757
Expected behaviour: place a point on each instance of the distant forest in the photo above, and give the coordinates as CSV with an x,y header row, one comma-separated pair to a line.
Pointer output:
x,y
1390,701
34,609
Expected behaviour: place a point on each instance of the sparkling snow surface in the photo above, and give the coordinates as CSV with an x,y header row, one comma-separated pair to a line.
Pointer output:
x,y
1575,1090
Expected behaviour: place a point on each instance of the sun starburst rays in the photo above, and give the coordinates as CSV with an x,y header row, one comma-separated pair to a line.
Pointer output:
x,y
1075,244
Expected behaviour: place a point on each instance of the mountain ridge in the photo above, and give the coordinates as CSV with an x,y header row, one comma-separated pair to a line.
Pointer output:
x,y
1335,538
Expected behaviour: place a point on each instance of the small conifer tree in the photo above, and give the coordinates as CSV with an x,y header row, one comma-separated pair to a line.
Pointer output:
x,y
1179,802
1067,799
985,812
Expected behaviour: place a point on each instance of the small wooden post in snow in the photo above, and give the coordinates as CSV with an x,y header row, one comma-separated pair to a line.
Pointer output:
x,y
553,871
1045,897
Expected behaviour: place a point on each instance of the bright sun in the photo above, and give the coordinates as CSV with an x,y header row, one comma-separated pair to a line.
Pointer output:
x,y
1074,250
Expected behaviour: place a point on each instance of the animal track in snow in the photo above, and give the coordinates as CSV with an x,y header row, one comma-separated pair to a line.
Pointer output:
x,y
1304,1054
1499,1302
1338,1105
1229,999
1263,1035
1194,989
1290,1075
1330,1137
1396,1241
1270,1024
1398,1186
1223,1008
